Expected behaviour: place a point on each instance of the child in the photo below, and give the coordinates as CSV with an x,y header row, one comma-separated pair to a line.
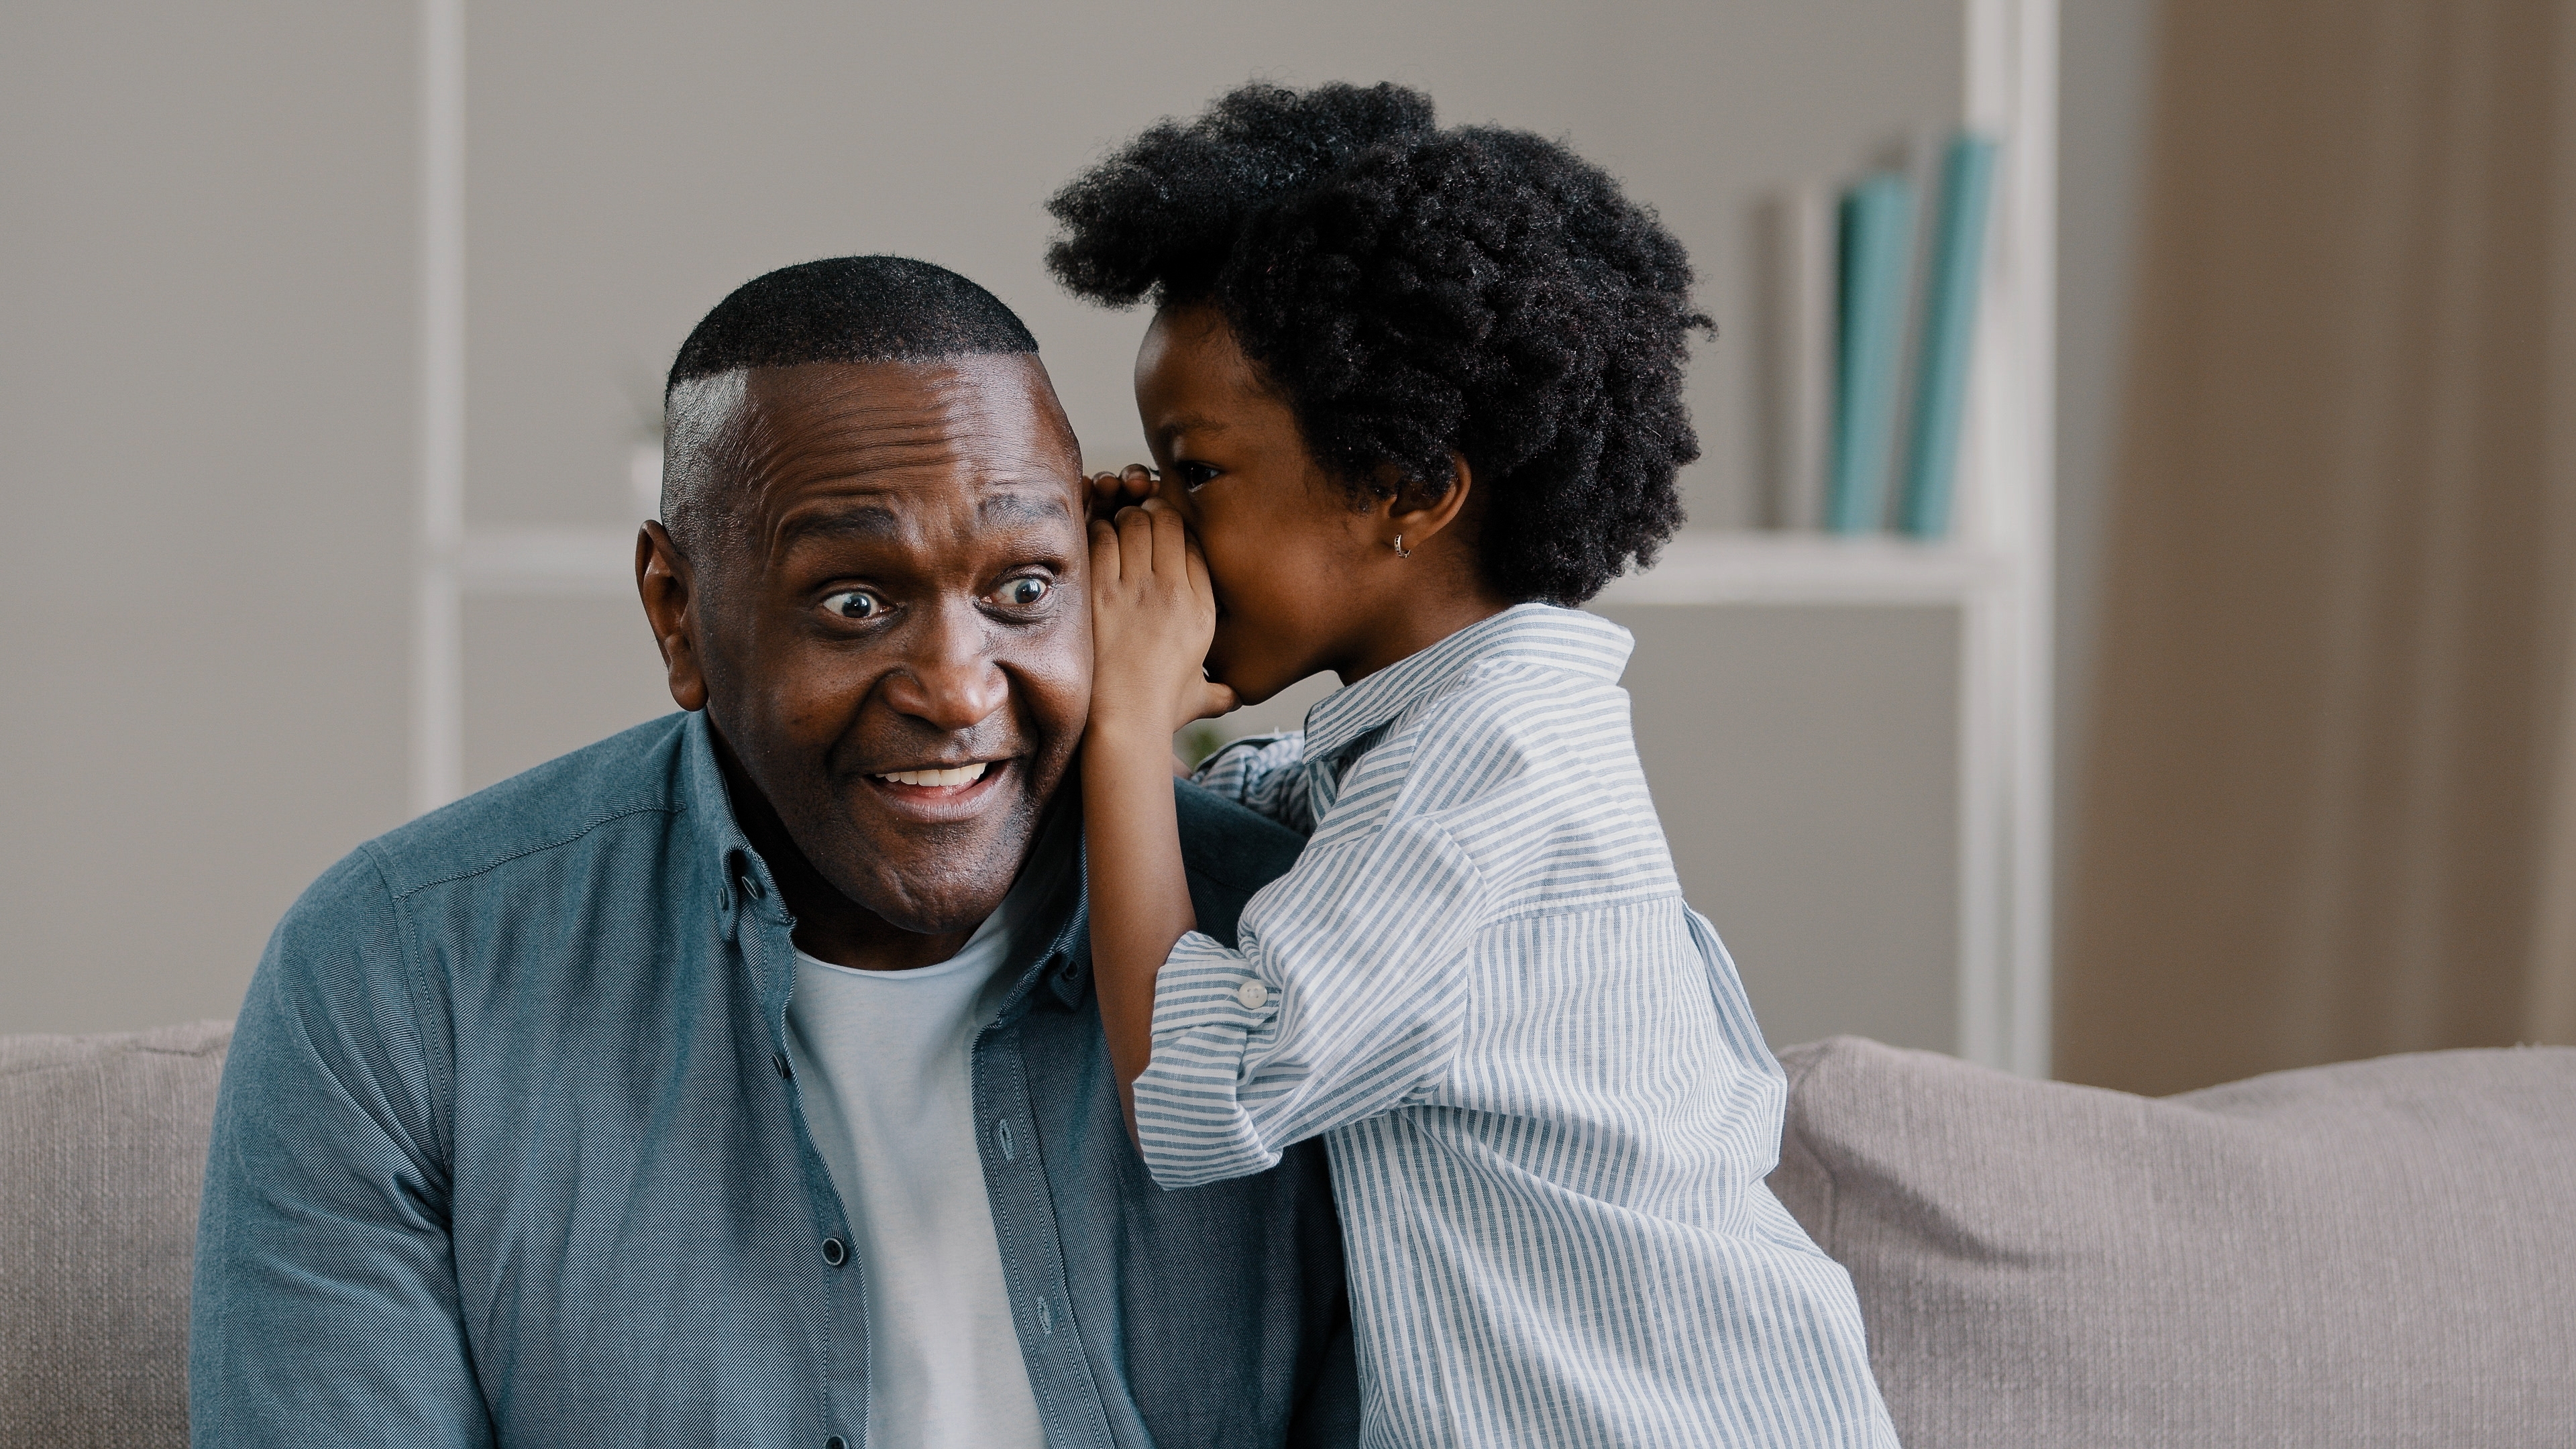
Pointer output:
x,y
1416,393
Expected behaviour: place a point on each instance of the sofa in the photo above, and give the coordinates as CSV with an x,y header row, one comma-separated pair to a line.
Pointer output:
x,y
2374,1253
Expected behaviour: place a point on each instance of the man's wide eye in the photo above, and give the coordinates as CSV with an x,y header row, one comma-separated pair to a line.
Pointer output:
x,y
854,604
1024,591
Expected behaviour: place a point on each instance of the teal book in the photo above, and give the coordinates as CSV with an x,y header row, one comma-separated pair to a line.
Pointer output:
x,y
1949,335
1877,249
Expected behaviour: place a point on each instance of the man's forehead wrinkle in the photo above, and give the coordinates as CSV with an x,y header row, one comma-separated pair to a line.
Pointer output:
x,y
820,442
860,435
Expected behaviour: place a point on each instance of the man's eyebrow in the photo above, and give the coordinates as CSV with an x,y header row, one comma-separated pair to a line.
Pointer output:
x,y
867,520
1018,507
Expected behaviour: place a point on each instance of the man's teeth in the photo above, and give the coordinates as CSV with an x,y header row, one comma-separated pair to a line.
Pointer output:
x,y
962,775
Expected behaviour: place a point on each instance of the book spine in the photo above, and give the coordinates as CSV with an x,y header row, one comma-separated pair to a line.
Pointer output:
x,y
1797,243
1949,332
1877,248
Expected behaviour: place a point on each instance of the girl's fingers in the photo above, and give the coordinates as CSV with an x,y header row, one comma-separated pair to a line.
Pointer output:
x,y
1104,553
1136,545
1171,540
1199,585
1099,491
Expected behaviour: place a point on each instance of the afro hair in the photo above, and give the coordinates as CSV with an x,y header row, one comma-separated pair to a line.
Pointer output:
x,y
1412,292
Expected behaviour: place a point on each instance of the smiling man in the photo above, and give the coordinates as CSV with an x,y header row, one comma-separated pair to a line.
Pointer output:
x,y
738,1079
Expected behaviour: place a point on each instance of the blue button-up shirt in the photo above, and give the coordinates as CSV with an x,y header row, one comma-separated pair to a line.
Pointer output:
x,y
508,1151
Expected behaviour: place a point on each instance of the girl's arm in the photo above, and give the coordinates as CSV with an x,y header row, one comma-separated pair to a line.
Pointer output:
x,y
1152,615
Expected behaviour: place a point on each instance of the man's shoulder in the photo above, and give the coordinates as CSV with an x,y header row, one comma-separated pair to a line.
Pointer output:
x,y
630,774
1230,852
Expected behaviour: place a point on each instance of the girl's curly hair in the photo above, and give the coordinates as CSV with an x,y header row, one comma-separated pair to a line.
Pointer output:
x,y
1410,292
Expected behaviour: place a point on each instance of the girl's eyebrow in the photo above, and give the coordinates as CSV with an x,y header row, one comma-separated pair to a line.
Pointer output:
x,y
1190,424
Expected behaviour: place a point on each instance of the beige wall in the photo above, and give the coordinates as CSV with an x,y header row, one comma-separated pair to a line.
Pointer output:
x,y
206,432
211,296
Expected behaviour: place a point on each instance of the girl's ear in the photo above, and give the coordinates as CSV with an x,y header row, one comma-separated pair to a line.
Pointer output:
x,y
1417,525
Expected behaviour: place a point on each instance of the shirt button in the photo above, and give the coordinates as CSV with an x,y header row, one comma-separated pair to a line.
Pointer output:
x,y
779,1060
1253,995
750,886
834,1253
836,1442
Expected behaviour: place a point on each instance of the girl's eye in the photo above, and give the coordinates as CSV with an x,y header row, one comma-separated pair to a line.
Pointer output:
x,y
855,604
1025,590
1193,475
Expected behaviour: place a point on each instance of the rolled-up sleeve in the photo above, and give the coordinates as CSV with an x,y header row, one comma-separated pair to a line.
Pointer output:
x,y
1263,773
1344,1000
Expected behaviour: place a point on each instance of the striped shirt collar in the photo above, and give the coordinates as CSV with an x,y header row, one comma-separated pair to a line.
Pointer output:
x,y
1566,639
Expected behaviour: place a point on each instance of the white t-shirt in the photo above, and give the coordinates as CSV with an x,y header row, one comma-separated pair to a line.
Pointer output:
x,y
883,1059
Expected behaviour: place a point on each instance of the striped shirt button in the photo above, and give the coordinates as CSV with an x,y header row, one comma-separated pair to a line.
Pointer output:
x,y
1253,995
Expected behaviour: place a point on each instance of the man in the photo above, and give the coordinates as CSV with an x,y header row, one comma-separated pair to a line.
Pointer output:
x,y
737,1079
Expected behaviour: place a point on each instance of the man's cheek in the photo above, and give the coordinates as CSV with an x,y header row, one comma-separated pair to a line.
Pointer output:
x,y
1054,676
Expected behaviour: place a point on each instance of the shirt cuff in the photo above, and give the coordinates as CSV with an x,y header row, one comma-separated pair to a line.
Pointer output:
x,y
1212,1011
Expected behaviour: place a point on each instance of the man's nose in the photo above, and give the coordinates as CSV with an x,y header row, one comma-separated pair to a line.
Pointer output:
x,y
948,679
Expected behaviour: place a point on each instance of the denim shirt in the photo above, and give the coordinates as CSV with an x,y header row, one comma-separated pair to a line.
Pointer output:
x,y
508,1152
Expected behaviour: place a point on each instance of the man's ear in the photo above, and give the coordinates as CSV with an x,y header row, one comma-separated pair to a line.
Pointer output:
x,y
663,579
1418,526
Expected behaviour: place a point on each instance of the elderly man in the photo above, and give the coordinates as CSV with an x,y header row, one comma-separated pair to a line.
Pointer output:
x,y
737,1080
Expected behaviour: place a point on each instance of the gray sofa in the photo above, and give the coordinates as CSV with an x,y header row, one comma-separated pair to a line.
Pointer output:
x,y
2378,1253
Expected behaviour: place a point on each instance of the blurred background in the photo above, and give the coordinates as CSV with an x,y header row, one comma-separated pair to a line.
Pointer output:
x,y
2232,726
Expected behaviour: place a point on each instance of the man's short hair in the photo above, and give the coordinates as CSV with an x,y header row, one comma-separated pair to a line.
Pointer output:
x,y
839,309
850,309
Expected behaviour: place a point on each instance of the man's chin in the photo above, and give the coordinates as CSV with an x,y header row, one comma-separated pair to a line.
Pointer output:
x,y
955,900
941,866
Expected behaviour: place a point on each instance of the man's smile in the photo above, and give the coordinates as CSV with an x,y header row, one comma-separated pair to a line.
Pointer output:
x,y
966,774
943,794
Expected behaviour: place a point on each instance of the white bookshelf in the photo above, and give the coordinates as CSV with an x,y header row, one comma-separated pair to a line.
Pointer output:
x,y
1997,572
1800,568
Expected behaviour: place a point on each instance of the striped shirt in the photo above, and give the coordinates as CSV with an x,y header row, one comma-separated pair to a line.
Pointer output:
x,y
1548,1109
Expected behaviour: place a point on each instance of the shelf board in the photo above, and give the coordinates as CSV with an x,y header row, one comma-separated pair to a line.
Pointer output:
x,y
547,559
1807,568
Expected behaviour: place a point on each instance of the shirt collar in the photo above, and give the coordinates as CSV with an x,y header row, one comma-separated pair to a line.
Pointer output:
x,y
710,805
1566,639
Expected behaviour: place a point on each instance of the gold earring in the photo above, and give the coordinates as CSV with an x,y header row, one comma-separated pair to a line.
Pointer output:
x,y
1400,550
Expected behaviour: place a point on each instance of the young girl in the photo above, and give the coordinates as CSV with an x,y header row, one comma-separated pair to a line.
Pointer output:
x,y
1416,393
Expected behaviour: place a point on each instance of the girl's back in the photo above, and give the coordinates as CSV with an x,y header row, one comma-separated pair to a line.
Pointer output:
x,y
1548,1108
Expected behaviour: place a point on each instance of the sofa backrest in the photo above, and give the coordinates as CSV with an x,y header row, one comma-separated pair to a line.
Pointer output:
x,y
102,1151
2375,1253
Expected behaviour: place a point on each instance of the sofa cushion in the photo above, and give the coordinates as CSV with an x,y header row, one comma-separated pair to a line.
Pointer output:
x,y
102,1152
2375,1253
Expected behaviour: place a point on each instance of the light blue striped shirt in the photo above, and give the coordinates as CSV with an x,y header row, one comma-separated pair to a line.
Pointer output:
x,y
1548,1109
